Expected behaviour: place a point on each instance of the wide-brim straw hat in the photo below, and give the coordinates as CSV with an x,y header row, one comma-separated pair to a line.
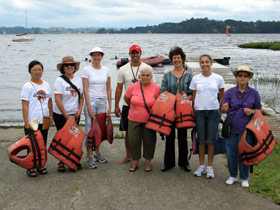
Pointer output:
x,y
244,69
68,59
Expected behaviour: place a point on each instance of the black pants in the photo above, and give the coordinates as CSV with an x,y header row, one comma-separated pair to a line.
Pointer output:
x,y
169,155
60,121
44,133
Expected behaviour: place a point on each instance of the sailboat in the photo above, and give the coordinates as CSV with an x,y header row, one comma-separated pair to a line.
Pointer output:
x,y
227,27
23,37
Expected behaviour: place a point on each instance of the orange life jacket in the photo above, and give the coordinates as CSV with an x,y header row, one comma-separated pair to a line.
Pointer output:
x,y
162,114
184,112
67,144
37,153
264,141
102,129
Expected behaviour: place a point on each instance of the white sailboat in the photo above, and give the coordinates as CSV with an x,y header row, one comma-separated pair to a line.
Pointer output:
x,y
23,37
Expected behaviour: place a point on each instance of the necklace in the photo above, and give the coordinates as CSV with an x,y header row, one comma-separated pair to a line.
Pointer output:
x,y
239,94
136,71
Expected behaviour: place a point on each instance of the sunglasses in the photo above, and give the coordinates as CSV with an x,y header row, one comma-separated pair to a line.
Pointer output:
x,y
69,64
243,75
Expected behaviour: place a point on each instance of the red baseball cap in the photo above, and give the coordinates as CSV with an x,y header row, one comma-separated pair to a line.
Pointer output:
x,y
134,47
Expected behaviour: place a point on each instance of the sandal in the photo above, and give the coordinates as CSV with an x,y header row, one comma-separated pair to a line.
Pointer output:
x,y
149,165
42,171
31,172
61,167
134,166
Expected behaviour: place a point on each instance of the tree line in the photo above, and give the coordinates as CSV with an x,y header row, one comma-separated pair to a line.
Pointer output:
x,y
203,25
193,25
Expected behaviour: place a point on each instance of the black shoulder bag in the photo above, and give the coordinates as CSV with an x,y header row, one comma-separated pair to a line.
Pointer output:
x,y
228,122
144,97
72,85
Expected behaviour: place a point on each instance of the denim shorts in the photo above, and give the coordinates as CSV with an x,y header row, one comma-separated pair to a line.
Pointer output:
x,y
207,122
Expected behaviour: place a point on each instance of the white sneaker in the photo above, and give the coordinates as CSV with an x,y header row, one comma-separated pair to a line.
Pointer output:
x,y
91,163
210,173
200,171
231,180
245,183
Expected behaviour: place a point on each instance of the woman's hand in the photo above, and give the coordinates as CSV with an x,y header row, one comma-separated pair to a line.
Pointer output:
x,y
248,111
78,113
91,113
225,107
109,111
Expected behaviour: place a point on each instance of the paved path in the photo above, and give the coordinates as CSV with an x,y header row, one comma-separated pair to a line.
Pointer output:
x,y
111,186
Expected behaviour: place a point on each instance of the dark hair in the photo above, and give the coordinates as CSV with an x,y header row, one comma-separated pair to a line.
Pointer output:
x,y
34,63
62,69
177,51
206,55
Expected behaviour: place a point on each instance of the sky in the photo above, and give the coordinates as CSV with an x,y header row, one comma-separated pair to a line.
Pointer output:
x,y
130,13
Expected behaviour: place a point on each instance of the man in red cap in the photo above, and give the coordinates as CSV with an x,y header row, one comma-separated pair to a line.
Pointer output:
x,y
128,74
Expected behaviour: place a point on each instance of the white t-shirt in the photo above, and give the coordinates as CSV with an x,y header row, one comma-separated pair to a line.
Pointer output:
x,y
97,79
38,96
70,98
207,89
125,75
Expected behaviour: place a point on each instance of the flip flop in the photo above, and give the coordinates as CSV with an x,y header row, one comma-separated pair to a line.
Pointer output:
x,y
43,171
32,173
61,167
133,169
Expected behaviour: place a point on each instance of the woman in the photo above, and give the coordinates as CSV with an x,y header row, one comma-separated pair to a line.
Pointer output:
x,y
97,87
36,103
176,81
206,86
240,103
69,100
138,116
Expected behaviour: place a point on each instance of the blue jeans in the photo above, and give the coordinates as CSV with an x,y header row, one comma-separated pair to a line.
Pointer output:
x,y
233,156
207,122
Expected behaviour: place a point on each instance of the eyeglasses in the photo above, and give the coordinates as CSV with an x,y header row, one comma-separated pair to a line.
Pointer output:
x,y
69,64
243,75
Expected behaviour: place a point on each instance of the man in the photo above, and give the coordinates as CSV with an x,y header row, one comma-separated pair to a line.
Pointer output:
x,y
128,74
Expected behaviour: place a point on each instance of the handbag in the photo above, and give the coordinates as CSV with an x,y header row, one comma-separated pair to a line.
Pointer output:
x,y
46,123
226,129
220,144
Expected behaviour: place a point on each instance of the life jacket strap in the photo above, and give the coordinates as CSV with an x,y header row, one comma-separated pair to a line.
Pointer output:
x,y
246,156
36,150
70,151
162,120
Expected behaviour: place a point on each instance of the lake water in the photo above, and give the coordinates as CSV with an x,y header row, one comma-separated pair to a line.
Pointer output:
x,y
50,48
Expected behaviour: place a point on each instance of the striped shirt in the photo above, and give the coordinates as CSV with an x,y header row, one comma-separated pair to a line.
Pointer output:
x,y
169,83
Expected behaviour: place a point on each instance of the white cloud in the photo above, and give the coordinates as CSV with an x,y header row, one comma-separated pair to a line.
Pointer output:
x,y
120,13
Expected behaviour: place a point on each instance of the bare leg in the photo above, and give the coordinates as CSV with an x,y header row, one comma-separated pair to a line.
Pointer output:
x,y
89,152
96,150
201,152
128,154
211,153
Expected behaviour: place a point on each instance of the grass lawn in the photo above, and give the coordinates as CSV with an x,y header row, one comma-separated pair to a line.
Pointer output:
x,y
262,45
266,177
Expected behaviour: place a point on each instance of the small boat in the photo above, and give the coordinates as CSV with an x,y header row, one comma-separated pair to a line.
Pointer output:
x,y
152,61
22,38
227,27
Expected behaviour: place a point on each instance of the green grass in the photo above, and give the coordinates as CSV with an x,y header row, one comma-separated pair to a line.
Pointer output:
x,y
262,45
265,180
264,80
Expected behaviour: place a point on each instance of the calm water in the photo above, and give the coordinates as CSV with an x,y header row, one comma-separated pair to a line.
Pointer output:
x,y
49,49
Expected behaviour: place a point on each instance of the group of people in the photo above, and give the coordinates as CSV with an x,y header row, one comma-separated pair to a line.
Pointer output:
x,y
136,80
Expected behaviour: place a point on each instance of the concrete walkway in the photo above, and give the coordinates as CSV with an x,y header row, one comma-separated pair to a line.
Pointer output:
x,y
111,186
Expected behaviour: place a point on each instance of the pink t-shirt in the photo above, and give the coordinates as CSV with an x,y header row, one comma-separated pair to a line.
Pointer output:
x,y
138,111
